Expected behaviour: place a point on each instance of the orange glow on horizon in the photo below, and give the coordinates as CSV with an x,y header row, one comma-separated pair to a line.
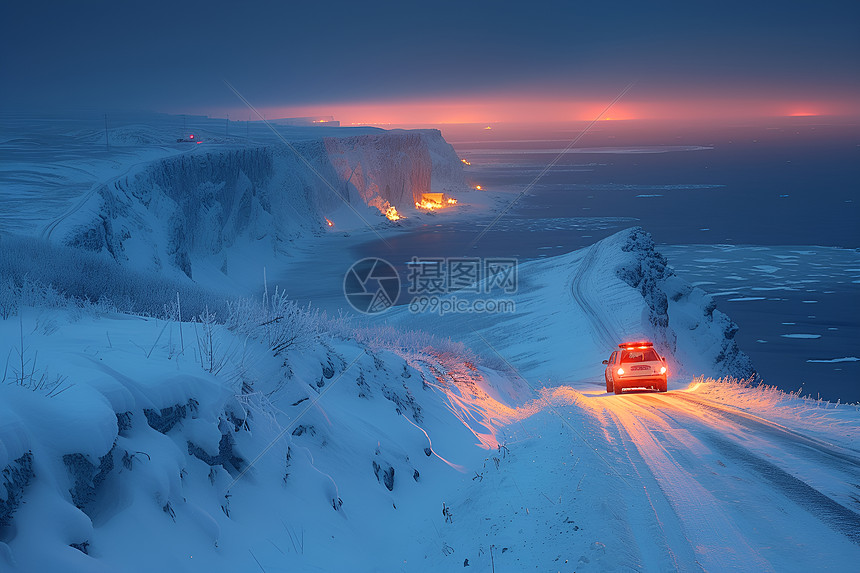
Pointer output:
x,y
493,108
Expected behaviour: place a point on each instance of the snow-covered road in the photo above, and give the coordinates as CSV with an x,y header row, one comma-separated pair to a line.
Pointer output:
x,y
730,490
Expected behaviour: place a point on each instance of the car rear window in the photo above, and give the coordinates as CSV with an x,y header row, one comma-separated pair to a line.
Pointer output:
x,y
644,355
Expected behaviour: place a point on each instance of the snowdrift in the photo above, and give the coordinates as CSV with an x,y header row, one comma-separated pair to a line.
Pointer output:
x,y
134,444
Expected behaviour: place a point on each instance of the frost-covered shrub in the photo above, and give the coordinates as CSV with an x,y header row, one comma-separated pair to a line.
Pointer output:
x,y
277,320
9,298
213,358
47,275
401,342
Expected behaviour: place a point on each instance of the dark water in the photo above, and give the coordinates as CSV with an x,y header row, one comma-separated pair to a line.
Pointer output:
x,y
783,185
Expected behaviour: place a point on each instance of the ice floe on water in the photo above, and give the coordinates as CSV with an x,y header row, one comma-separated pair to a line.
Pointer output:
x,y
795,277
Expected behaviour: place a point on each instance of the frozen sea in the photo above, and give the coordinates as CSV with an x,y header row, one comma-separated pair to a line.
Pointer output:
x,y
762,216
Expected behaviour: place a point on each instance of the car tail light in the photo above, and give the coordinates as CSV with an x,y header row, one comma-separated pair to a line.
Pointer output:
x,y
662,370
621,371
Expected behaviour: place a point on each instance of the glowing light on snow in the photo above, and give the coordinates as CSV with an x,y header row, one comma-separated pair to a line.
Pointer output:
x,y
434,201
392,214
328,222
478,187
465,162
427,205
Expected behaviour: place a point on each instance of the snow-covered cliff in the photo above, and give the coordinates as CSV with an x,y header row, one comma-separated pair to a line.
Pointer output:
x,y
192,208
684,318
395,168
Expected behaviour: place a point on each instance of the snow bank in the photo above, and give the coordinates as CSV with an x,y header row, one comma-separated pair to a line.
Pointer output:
x,y
821,418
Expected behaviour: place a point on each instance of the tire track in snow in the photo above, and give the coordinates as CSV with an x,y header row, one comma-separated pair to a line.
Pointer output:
x,y
833,514
581,291
778,518
829,454
718,543
665,519
813,500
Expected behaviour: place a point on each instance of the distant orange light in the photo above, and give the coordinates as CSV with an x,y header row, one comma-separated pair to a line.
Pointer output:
x,y
478,187
488,127
433,201
392,213
425,204
328,222
465,162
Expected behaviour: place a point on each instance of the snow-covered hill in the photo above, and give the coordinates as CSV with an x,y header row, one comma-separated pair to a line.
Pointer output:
x,y
131,444
574,308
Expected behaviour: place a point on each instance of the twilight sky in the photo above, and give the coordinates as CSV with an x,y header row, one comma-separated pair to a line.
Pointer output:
x,y
433,61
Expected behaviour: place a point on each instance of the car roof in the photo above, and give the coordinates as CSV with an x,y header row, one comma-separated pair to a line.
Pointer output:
x,y
635,345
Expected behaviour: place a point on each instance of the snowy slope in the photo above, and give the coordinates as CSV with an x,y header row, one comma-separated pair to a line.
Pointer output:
x,y
573,310
317,454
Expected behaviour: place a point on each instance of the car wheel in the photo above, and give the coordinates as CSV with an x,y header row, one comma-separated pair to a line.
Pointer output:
x,y
608,384
618,389
663,387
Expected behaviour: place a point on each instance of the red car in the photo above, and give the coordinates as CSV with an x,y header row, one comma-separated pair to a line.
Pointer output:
x,y
636,365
